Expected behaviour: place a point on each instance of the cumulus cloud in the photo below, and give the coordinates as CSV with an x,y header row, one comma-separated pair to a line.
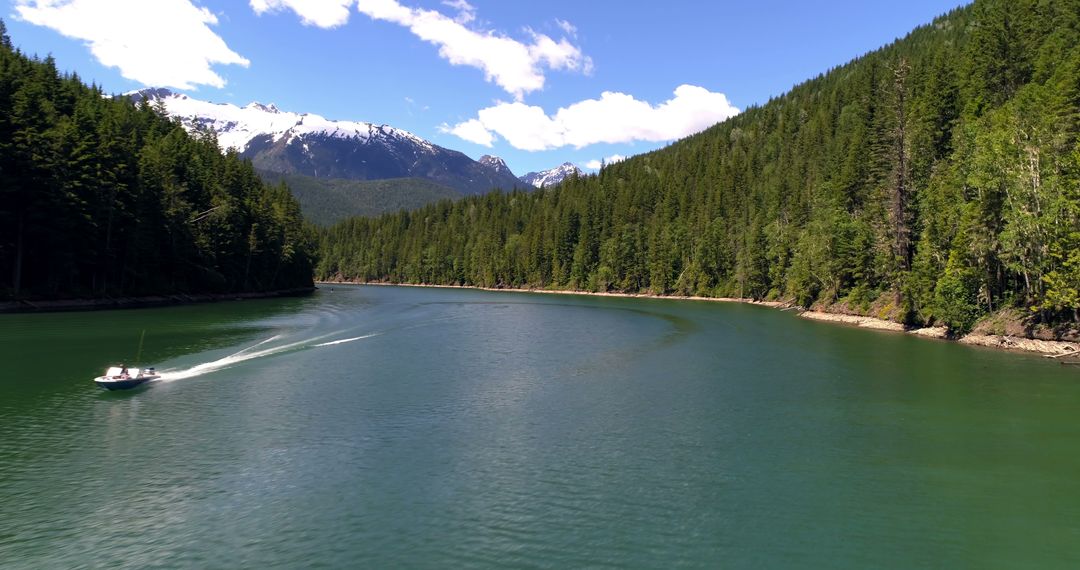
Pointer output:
x,y
515,66
321,13
613,118
596,164
472,131
161,42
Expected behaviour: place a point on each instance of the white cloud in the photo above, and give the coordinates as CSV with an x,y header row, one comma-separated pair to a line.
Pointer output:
x,y
321,13
613,118
596,164
515,66
472,131
165,43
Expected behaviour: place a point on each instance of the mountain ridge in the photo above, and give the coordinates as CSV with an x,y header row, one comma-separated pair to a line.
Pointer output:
x,y
308,144
552,176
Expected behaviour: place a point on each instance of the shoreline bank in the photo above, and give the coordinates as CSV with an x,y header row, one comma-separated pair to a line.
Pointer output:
x,y
1048,348
112,303
773,304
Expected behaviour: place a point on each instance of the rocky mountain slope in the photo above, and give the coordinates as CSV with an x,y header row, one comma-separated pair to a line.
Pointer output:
x,y
307,144
552,177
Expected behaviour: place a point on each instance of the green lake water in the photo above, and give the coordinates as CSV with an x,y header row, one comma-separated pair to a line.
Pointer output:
x,y
385,427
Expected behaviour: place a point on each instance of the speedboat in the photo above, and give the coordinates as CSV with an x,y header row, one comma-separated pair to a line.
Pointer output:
x,y
122,378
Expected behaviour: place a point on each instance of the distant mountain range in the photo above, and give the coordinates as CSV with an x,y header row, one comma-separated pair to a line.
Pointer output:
x,y
310,145
330,164
553,177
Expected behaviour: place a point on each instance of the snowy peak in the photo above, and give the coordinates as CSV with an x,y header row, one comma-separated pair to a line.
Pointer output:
x,y
553,177
237,127
283,142
496,164
271,108
152,94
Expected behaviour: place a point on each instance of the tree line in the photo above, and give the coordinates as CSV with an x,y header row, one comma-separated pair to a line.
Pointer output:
x,y
101,197
935,180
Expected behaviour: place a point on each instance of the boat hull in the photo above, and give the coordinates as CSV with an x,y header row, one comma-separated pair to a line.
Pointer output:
x,y
124,384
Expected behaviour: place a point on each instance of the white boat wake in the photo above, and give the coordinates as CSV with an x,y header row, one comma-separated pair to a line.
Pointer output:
x,y
337,342
250,353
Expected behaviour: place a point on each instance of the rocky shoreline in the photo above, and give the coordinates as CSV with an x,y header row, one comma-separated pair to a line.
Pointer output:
x,y
110,303
1050,348
1005,342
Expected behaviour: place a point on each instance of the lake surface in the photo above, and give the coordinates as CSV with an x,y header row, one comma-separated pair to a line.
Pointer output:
x,y
427,428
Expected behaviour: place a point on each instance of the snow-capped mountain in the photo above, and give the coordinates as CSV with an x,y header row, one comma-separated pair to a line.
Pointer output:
x,y
238,127
305,143
552,177
496,164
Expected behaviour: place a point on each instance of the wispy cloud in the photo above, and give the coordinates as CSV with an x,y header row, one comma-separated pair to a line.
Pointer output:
x,y
516,66
613,118
160,42
466,11
321,13
567,28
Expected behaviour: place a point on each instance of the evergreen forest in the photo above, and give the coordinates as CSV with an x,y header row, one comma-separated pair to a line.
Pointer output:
x,y
936,180
326,201
101,197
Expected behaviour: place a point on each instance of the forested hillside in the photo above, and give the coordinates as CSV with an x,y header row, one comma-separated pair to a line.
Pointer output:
x,y
100,197
934,180
326,201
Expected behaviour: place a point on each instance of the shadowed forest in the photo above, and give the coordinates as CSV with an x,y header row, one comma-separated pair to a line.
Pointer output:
x,y
100,197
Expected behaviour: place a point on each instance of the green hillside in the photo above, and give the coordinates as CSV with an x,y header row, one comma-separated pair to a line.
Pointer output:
x,y
326,201
101,198
934,180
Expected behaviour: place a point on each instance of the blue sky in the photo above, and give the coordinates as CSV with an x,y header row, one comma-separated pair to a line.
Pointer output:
x,y
482,76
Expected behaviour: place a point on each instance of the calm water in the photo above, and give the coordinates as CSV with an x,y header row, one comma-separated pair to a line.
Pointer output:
x,y
400,427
